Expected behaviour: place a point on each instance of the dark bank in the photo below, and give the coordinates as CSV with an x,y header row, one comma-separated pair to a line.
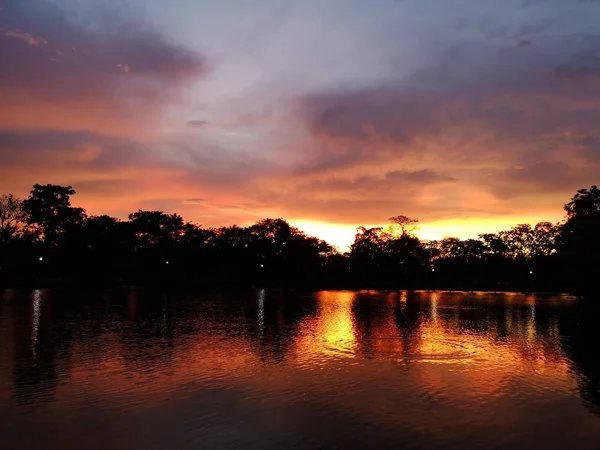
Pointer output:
x,y
45,241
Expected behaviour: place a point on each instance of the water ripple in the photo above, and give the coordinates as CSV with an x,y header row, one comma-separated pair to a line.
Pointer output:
x,y
329,370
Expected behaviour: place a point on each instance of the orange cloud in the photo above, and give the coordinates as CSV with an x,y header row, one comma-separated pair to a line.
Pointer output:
x,y
113,80
480,135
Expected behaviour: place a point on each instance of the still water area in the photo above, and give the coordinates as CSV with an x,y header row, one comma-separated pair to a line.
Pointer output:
x,y
130,369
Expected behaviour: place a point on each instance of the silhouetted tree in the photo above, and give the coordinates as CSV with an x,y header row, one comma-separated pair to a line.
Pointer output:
x,y
284,251
105,234
11,218
16,243
585,203
48,209
377,256
156,227
405,225
518,241
545,239
369,252
579,242
45,240
460,263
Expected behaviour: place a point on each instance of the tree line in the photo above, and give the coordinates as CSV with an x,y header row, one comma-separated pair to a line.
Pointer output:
x,y
44,240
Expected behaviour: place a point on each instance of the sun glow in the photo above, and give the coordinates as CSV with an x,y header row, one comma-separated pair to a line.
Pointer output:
x,y
342,235
338,235
472,228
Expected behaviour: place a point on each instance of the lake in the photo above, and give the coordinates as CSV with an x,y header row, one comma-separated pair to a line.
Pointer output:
x,y
130,369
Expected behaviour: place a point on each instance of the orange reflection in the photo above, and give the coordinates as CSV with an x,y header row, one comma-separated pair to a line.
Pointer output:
x,y
459,346
332,331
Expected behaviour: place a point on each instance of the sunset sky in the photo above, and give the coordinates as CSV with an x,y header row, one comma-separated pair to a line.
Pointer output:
x,y
470,115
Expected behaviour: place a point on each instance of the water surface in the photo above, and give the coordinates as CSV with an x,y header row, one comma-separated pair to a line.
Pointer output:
x,y
129,369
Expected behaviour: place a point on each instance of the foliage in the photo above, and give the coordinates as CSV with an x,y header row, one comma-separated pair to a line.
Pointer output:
x,y
48,210
403,225
46,240
11,218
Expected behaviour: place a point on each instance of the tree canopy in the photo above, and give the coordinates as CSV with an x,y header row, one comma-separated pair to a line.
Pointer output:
x,y
46,240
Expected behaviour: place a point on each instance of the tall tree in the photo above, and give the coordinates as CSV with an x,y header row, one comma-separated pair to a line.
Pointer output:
x,y
585,203
579,244
518,241
545,235
156,227
48,209
11,217
405,225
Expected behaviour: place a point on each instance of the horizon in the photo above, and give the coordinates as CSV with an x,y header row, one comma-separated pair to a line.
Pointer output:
x,y
470,116
342,236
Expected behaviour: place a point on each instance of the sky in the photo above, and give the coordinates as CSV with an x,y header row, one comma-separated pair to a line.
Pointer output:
x,y
469,115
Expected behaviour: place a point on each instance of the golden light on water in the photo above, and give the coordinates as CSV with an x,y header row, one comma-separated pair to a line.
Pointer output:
x,y
331,332
444,339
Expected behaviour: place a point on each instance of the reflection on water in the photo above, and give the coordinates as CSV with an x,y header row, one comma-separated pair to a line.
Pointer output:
x,y
260,369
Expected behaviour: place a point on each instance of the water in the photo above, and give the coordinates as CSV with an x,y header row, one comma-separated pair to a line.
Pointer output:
x,y
129,369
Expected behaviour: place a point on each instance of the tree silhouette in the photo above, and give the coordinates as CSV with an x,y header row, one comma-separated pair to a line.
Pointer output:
x,y
46,240
156,227
378,256
405,225
48,209
579,242
585,203
11,217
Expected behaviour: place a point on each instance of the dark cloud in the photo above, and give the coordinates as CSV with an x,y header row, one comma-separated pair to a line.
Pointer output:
x,y
524,43
425,176
73,148
464,83
475,107
571,71
541,178
106,187
373,210
197,123
391,181
118,175
323,161
219,166
75,151
361,199
118,69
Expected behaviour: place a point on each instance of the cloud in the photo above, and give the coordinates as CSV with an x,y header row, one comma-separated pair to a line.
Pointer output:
x,y
117,175
194,201
578,72
76,148
510,123
29,39
112,76
197,123
392,182
481,111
